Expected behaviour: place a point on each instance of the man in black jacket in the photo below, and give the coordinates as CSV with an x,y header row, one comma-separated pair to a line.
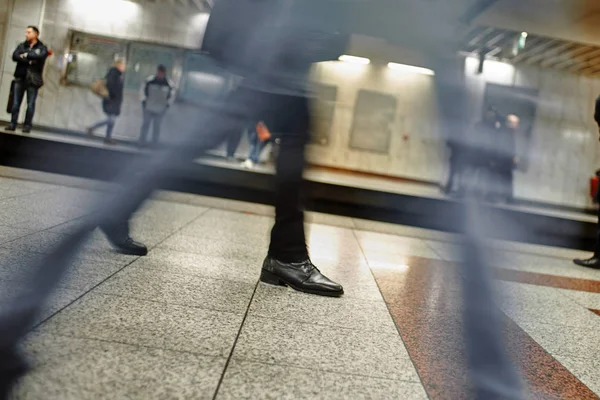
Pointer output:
x,y
30,57
594,261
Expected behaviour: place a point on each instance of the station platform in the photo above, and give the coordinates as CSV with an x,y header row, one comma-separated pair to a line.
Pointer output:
x,y
191,320
328,191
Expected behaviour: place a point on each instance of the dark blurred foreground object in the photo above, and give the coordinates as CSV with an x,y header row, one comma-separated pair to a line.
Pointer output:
x,y
275,95
594,261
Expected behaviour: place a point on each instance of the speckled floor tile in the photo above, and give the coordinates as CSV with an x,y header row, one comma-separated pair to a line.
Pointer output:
x,y
249,251
525,303
200,265
561,340
403,230
586,299
329,219
80,369
250,380
200,331
586,369
112,318
184,289
346,312
324,348
10,233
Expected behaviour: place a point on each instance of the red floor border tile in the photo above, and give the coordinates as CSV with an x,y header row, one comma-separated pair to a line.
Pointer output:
x,y
425,302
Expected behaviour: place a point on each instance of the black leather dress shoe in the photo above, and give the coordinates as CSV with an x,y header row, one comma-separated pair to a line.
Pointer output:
x,y
11,128
129,247
302,276
26,128
593,262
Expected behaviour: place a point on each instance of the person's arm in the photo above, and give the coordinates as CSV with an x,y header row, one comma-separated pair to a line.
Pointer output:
x,y
19,55
597,112
112,83
172,93
144,91
34,55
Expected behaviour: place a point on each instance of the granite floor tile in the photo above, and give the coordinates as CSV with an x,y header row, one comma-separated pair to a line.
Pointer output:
x,y
562,340
78,369
10,233
324,348
587,370
585,299
391,244
251,380
260,237
249,252
112,318
346,312
329,219
184,289
524,303
201,331
403,230
201,265
39,242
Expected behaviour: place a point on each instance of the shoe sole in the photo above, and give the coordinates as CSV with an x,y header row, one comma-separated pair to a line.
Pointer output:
x,y
274,280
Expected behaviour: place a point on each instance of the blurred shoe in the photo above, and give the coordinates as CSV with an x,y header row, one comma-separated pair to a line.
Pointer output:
x,y
12,369
593,262
248,164
27,129
11,128
302,276
129,247
118,237
110,141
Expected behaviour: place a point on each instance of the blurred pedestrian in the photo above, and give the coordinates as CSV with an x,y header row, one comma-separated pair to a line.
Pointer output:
x,y
111,105
30,57
594,261
157,95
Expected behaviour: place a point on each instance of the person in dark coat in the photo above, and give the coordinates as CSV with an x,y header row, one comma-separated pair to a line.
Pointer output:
x,y
111,105
504,159
30,57
594,261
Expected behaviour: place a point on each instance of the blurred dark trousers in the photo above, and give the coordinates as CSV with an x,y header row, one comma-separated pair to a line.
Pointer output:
x,y
154,119
110,123
21,88
233,142
286,114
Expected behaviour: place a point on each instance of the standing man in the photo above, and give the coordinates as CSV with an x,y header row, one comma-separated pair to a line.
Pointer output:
x,y
30,57
157,94
594,261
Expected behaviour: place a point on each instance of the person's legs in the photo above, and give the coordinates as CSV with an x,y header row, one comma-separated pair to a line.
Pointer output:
x,y
18,93
288,262
32,93
110,126
146,120
594,261
233,141
156,124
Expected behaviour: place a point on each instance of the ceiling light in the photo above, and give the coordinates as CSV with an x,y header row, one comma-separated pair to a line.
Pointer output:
x,y
410,68
524,34
354,60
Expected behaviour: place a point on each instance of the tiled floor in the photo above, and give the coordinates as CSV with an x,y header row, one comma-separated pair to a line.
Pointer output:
x,y
191,320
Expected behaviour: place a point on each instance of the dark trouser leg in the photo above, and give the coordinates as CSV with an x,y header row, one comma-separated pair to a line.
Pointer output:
x,y
18,93
146,120
32,93
597,250
233,141
156,124
288,242
110,125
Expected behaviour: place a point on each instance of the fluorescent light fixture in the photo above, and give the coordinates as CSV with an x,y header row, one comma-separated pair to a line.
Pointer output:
x,y
410,68
524,34
354,60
